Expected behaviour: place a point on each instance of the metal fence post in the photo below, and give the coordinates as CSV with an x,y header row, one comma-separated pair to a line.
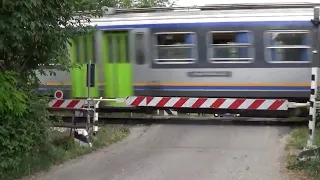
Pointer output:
x,y
314,77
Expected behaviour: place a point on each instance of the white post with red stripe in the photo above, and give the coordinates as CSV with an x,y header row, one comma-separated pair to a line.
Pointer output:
x,y
212,103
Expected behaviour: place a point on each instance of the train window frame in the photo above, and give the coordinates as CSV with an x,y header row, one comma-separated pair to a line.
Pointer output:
x,y
194,49
267,55
250,45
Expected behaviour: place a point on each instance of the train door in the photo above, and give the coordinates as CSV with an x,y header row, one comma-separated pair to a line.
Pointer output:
x,y
140,55
117,68
81,51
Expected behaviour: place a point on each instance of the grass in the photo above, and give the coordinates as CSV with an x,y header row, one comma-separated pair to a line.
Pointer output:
x,y
61,148
296,142
66,149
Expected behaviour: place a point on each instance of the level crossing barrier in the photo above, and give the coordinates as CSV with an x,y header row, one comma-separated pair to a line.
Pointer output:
x,y
80,108
89,108
79,132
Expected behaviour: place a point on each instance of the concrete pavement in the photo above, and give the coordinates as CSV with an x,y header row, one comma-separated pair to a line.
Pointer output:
x,y
183,152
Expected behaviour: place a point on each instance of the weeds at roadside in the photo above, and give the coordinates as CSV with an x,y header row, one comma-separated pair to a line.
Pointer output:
x,y
61,148
65,148
296,142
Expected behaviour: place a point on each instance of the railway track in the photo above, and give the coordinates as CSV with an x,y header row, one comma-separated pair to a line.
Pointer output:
x,y
80,121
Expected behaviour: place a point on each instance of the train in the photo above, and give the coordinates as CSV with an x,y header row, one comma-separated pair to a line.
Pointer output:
x,y
244,51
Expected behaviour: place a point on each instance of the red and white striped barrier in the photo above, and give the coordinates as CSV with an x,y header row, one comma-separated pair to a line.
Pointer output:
x,y
214,103
67,103
79,103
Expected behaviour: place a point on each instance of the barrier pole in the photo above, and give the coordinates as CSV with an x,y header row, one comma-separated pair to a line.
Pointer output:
x,y
314,78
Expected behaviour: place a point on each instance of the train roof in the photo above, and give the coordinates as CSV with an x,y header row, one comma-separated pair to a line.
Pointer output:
x,y
248,11
216,8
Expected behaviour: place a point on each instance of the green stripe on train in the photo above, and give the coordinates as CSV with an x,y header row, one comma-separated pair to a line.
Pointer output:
x,y
82,51
118,70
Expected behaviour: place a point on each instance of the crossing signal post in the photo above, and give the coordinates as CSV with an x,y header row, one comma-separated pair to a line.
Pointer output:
x,y
90,76
310,149
314,76
90,83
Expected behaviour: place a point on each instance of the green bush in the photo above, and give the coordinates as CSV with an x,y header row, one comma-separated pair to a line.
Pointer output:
x,y
23,127
27,144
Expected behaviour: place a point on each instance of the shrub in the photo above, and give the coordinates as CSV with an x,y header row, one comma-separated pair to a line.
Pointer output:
x,y
23,126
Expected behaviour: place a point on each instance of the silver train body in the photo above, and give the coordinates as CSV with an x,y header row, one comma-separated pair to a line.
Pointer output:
x,y
255,53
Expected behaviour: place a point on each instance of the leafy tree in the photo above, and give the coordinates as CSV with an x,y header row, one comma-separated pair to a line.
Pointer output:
x,y
33,35
32,32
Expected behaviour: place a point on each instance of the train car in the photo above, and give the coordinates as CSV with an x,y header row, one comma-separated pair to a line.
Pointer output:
x,y
244,51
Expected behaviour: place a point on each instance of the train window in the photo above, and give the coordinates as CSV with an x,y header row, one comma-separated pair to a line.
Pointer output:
x,y
288,46
230,46
175,48
139,49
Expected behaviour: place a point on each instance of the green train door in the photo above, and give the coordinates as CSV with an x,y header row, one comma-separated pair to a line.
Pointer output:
x,y
83,50
116,65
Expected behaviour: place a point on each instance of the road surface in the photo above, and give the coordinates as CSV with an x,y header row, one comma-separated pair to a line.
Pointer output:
x,y
184,152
